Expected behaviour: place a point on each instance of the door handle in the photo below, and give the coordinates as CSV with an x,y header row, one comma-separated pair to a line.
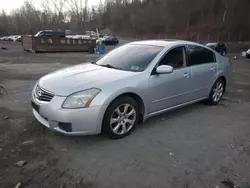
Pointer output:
x,y
186,75
212,69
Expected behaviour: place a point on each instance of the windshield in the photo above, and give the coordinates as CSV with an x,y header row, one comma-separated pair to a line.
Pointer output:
x,y
134,58
38,34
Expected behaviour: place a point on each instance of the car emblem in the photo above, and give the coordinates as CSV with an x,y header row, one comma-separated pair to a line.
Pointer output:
x,y
39,93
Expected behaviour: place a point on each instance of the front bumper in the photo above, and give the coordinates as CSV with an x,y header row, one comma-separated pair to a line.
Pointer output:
x,y
84,121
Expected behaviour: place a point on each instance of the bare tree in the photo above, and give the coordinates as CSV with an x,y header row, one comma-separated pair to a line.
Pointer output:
x,y
189,19
79,14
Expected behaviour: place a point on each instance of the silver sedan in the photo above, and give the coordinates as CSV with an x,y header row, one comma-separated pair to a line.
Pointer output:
x,y
128,85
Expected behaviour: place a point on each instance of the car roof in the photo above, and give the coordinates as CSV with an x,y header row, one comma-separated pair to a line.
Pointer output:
x,y
162,43
51,31
212,43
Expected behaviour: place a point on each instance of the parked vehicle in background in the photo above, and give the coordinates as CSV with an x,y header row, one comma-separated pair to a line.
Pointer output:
x,y
92,34
219,47
17,38
11,38
111,40
86,36
248,54
3,38
81,37
14,38
108,39
49,33
128,85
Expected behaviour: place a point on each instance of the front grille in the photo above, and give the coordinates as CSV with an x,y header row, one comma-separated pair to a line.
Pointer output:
x,y
43,95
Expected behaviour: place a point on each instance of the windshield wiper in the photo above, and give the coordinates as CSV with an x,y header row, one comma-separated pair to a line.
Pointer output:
x,y
110,66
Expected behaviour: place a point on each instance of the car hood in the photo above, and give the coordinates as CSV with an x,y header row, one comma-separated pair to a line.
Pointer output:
x,y
80,77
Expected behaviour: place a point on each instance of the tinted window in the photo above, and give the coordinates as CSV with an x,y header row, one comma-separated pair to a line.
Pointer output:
x,y
48,34
58,34
199,55
134,58
174,58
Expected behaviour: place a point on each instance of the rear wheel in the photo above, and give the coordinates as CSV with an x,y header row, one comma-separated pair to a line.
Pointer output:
x,y
216,92
121,118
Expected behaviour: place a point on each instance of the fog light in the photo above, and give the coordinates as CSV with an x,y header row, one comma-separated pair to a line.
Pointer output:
x,y
65,126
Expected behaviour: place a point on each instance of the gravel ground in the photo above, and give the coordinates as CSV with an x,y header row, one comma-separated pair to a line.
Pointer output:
x,y
193,147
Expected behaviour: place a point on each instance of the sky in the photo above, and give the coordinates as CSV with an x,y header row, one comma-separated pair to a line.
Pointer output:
x,y
9,5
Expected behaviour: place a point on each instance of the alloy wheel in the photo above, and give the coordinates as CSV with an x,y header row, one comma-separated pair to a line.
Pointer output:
x,y
123,119
218,91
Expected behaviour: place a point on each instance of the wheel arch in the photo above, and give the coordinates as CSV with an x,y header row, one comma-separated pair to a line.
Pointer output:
x,y
138,99
223,77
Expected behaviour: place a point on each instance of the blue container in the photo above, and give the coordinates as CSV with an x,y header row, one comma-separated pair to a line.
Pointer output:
x,y
101,48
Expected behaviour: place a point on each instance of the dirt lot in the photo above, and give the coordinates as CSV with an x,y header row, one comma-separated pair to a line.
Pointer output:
x,y
195,147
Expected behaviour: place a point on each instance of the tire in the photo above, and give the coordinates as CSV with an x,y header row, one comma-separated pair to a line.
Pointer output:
x,y
122,126
219,87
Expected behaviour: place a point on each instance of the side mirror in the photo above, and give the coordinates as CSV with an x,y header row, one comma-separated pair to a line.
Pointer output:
x,y
164,69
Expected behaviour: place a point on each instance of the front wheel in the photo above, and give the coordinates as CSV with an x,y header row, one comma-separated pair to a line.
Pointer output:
x,y
121,118
216,92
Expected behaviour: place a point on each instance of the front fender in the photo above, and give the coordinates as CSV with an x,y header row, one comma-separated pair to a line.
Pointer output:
x,y
123,91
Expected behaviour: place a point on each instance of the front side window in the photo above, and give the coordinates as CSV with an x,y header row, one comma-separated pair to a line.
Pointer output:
x,y
174,58
135,58
48,34
199,55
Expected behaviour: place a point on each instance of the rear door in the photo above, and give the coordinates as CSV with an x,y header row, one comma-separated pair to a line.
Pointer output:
x,y
203,70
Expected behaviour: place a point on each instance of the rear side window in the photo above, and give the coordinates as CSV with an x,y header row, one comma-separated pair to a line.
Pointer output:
x,y
199,55
58,34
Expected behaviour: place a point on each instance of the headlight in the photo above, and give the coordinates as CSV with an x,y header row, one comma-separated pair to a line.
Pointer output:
x,y
248,51
81,99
